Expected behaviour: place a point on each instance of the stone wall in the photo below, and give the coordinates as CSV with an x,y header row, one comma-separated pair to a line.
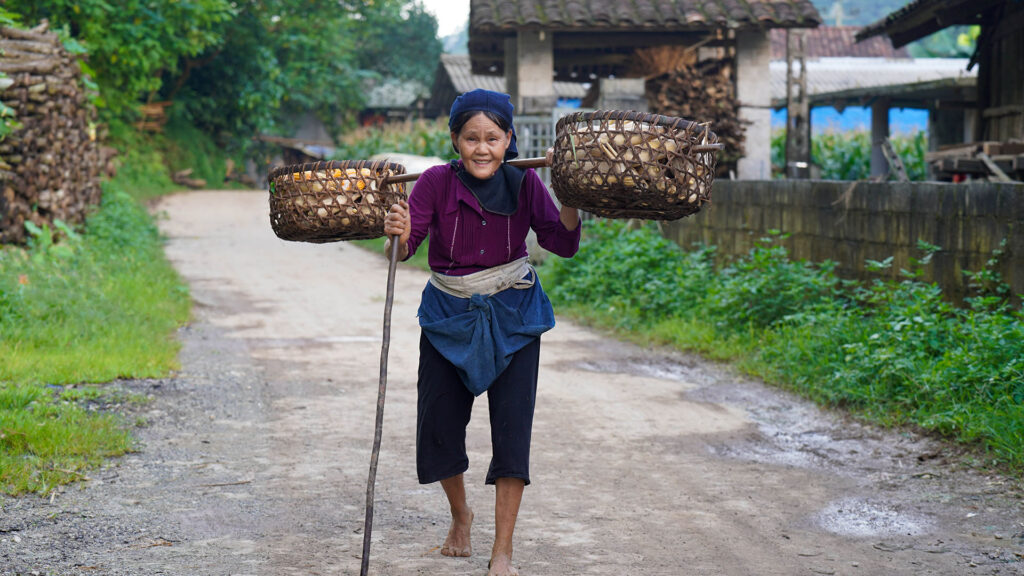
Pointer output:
x,y
851,222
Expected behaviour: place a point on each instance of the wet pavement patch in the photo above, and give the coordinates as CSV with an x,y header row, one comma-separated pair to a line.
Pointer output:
x,y
862,518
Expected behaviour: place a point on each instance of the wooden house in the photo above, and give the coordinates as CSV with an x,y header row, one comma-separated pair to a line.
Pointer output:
x,y
995,146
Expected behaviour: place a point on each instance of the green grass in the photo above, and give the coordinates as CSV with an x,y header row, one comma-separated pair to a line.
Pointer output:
x,y
84,306
896,353
94,307
51,438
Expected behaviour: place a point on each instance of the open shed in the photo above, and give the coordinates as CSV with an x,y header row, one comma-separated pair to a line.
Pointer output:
x,y
534,43
996,142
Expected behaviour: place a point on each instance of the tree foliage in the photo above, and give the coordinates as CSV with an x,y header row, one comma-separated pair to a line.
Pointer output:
x,y
391,33
132,44
239,67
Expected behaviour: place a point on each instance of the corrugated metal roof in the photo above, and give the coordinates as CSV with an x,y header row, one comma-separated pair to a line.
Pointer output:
x,y
459,70
638,15
836,42
879,75
393,93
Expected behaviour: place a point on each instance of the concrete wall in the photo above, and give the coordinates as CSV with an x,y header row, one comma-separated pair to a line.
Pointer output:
x,y
529,62
753,89
851,222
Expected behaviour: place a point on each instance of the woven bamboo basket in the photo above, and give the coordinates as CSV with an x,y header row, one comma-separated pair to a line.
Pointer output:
x,y
626,164
330,201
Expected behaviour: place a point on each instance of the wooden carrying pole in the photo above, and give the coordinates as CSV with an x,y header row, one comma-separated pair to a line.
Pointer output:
x,y
381,390
538,163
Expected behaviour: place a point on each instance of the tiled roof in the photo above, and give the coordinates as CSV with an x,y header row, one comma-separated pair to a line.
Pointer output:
x,y
458,68
638,15
837,42
919,18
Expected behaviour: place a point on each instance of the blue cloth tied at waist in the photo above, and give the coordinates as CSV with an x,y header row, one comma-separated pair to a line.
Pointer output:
x,y
480,334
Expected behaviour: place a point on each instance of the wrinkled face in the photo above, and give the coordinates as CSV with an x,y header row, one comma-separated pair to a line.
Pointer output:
x,y
482,144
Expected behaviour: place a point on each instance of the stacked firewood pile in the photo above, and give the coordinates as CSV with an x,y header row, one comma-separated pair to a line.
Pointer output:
x,y
50,167
702,92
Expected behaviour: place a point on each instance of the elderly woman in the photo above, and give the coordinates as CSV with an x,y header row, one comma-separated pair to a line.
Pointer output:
x,y
483,310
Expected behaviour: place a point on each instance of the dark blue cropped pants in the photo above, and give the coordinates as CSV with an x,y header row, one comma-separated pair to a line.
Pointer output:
x,y
444,407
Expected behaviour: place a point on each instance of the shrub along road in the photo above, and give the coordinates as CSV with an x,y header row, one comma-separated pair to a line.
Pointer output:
x,y
646,462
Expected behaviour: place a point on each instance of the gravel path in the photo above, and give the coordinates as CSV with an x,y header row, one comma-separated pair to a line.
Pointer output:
x,y
646,462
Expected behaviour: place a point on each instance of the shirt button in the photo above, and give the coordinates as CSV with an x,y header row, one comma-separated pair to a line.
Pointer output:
x,y
481,251
483,222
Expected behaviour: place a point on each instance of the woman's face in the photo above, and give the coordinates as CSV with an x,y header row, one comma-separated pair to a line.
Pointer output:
x,y
482,144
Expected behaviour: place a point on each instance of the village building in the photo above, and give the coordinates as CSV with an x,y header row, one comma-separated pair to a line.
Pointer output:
x,y
993,143
842,72
533,45
455,76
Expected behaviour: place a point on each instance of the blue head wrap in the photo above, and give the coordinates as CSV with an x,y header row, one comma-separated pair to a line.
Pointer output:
x,y
487,101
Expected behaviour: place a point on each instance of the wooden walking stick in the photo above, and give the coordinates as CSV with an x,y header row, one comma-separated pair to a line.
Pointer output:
x,y
381,390
343,200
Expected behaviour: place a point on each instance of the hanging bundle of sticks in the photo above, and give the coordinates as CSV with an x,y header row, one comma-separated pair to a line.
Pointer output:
x,y
51,164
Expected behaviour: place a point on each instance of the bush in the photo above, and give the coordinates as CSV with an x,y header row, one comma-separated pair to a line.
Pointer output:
x,y
632,272
894,352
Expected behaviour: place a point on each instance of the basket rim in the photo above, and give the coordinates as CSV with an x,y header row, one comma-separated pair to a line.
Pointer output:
x,y
373,165
637,116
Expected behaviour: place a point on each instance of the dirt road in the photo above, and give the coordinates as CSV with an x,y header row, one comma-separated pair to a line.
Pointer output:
x,y
254,458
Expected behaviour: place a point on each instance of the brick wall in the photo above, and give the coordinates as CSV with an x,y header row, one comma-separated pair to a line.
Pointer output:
x,y
850,222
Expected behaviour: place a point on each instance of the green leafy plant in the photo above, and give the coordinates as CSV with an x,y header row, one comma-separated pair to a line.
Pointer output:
x,y
133,43
847,155
892,351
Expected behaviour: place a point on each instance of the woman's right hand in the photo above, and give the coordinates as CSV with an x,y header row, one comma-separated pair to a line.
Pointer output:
x,y
399,223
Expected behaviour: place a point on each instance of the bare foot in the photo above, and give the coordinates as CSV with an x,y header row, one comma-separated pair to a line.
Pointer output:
x,y
457,542
501,565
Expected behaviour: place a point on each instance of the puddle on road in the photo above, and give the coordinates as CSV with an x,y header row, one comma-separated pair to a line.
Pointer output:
x,y
790,431
860,518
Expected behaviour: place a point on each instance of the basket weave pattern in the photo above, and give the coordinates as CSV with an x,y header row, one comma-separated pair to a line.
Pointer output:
x,y
331,201
624,164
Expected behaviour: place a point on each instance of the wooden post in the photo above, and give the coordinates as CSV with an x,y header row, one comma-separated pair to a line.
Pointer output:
x,y
798,108
879,133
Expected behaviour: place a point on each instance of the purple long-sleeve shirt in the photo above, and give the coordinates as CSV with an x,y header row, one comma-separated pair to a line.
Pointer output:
x,y
465,238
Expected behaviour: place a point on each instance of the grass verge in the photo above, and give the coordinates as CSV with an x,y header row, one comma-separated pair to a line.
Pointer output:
x,y
79,306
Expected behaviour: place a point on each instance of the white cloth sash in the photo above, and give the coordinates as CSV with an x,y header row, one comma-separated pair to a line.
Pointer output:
x,y
489,281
